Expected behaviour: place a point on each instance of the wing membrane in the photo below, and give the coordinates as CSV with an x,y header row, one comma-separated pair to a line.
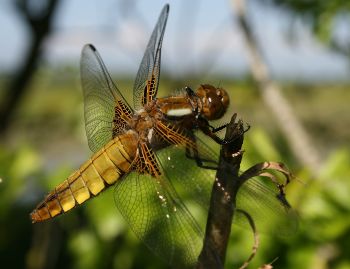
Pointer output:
x,y
257,197
147,78
158,218
151,206
102,100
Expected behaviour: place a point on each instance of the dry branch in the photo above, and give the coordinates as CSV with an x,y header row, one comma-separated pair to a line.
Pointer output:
x,y
222,204
297,137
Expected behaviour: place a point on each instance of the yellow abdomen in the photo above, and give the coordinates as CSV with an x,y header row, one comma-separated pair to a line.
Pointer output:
x,y
103,169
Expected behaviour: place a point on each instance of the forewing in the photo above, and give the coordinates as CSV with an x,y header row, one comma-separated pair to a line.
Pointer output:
x,y
102,100
147,78
256,196
193,182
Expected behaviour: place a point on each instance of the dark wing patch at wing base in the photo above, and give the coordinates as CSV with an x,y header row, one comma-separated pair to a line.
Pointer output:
x,y
147,78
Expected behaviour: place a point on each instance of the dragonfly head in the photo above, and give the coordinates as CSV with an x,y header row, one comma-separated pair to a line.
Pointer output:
x,y
214,101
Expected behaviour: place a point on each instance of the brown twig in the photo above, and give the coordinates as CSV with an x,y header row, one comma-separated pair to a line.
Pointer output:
x,y
224,192
222,204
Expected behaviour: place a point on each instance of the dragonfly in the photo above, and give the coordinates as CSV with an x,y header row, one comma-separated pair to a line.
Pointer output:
x,y
150,152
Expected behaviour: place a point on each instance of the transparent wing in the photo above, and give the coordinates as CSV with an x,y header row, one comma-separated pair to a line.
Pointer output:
x,y
259,198
102,100
256,196
158,217
147,78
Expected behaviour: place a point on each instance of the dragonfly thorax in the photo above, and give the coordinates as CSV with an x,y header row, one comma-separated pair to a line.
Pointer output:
x,y
142,121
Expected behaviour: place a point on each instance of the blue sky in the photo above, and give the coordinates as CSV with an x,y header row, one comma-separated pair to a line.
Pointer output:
x,y
200,36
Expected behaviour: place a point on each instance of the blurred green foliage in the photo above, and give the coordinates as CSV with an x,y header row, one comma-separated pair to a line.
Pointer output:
x,y
46,143
323,18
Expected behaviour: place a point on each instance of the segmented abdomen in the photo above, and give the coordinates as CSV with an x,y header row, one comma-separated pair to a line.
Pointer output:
x,y
102,170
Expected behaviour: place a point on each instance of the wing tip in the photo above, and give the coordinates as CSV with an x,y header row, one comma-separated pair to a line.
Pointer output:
x,y
91,47
167,7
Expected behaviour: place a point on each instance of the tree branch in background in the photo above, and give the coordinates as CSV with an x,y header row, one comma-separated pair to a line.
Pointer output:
x,y
297,137
222,204
40,23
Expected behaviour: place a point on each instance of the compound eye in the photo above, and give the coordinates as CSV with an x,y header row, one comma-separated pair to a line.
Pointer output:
x,y
214,101
223,96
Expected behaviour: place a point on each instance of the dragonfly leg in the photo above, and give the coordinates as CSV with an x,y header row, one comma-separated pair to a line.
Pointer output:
x,y
195,156
281,196
217,129
200,162
209,130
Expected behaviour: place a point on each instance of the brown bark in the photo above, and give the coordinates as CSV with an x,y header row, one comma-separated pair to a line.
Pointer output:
x,y
222,204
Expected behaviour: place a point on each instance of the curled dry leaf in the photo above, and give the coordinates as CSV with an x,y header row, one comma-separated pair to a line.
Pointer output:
x,y
259,168
256,238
